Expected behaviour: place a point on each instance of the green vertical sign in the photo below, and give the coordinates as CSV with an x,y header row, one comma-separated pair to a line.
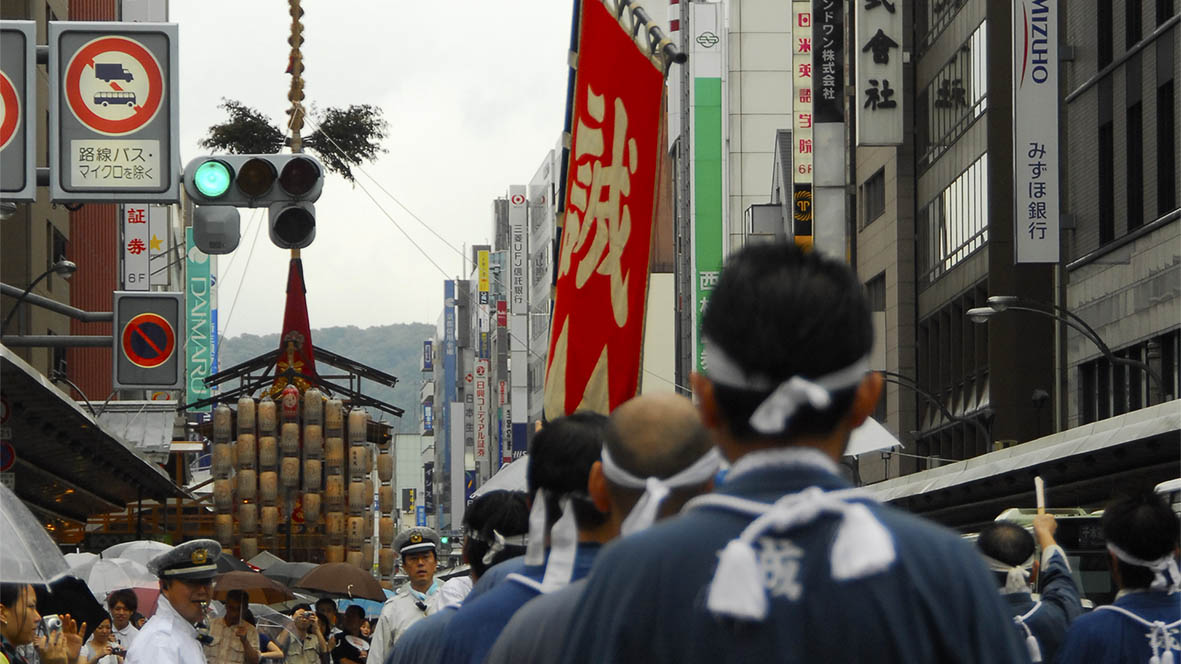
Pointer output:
x,y
707,198
198,322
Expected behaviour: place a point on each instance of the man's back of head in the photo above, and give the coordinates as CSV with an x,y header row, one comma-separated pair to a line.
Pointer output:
x,y
656,435
777,313
504,513
1143,527
560,459
1006,543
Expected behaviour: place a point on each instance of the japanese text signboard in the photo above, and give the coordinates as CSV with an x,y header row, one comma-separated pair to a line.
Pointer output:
x,y
1035,134
803,90
113,111
18,96
136,247
616,147
198,322
708,150
828,60
879,72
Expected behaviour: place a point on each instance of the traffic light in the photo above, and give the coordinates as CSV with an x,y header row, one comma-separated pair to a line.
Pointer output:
x,y
285,184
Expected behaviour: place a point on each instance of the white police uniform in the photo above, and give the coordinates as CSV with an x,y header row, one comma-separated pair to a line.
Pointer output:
x,y
407,606
167,637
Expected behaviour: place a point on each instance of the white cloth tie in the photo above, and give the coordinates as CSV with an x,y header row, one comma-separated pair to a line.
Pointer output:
x,y
862,546
499,542
775,412
1162,636
1166,575
1017,576
559,568
535,549
1031,643
656,489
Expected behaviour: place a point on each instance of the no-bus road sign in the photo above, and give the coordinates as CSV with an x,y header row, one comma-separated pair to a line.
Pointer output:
x,y
18,103
113,111
148,341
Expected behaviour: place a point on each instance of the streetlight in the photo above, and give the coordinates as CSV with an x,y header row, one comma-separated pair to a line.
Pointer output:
x,y
63,268
911,384
1001,303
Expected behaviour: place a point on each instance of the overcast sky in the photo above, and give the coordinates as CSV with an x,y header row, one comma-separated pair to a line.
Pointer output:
x,y
474,93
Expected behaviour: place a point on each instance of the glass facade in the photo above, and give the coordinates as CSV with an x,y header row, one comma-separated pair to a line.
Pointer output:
x,y
955,224
956,97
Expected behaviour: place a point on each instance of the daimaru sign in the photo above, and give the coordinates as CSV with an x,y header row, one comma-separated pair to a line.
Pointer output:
x,y
1035,130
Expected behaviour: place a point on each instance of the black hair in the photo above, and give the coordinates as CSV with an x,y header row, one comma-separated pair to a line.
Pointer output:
x,y
326,600
560,459
10,593
779,312
248,615
506,512
1005,542
136,617
354,610
125,595
1145,527
238,595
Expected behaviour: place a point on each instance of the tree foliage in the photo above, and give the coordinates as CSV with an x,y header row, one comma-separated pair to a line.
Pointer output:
x,y
343,138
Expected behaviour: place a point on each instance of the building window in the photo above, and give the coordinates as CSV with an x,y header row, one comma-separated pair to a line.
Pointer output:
x,y
933,18
1132,19
873,195
1104,25
956,97
1135,157
952,363
1164,11
955,224
1106,184
1166,154
1107,389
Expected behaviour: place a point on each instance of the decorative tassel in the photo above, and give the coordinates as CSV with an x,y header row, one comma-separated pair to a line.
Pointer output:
x,y
737,587
1035,651
1167,658
863,546
1154,660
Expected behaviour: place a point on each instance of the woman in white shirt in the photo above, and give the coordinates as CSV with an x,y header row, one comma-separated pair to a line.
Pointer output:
x,y
102,649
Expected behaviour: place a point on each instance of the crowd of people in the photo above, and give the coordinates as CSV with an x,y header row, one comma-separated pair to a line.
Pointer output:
x,y
717,529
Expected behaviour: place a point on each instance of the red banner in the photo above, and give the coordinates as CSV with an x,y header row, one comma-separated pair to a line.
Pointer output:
x,y
617,148
295,344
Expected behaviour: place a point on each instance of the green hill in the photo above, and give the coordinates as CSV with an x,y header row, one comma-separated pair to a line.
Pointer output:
x,y
394,349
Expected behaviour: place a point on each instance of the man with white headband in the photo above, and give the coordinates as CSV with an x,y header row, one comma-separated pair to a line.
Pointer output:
x,y
657,457
1008,551
1143,625
494,527
561,517
785,562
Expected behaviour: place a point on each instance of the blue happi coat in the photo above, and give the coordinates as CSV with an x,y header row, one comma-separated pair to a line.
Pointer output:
x,y
1049,618
646,597
1108,636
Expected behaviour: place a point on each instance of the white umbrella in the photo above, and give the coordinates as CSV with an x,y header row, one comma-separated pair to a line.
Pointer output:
x,y
508,478
106,575
141,551
27,553
870,437
78,559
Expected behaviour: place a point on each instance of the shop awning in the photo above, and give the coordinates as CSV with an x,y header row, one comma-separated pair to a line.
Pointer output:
x,y
1082,466
68,465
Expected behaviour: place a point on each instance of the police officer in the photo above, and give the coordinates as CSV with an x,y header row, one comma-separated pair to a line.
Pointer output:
x,y
186,578
419,549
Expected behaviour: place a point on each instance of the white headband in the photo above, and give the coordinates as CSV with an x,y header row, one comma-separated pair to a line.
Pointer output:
x,y
1166,574
559,568
498,543
657,489
773,415
1017,576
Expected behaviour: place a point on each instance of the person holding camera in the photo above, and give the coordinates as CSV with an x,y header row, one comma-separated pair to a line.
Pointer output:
x,y
307,644
57,639
102,647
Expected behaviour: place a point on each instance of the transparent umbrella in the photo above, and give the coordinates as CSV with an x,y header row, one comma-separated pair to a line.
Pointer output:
x,y
107,575
271,622
141,551
27,552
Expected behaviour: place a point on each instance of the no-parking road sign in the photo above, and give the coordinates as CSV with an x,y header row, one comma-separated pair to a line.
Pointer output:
x,y
113,111
148,341
18,101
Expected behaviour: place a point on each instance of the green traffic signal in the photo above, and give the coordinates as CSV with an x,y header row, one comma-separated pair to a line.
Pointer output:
x,y
212,179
